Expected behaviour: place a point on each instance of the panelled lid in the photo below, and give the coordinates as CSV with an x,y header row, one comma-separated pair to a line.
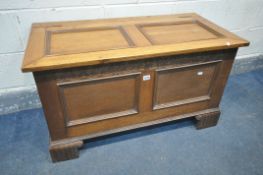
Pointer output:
x,y
81,43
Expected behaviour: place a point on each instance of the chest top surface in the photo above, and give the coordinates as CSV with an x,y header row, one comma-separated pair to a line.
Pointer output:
x,y
59,45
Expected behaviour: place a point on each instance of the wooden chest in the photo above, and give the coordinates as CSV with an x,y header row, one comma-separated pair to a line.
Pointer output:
x,y
106,76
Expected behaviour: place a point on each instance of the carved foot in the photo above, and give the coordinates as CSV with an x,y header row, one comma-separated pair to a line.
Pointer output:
x,y
207,120
64,151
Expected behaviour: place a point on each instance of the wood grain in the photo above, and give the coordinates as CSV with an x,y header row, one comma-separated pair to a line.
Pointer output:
x,y
180,79
83,43
106,76
207,120
99,99
65,151
86,40
170,33
85,87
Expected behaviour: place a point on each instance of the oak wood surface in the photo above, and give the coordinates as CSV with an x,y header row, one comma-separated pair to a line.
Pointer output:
x,y
98,99
65,151
101,77
95,99
169,82
82,43
207,120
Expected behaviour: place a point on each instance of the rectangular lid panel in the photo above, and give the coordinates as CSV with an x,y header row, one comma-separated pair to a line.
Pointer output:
x,y
86,40
171,33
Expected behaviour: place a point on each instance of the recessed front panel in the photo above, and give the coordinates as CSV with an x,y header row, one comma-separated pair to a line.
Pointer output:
x,y
99,99
86,40
189,84
171,33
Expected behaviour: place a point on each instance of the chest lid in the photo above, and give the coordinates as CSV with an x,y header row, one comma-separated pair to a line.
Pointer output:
x,y
72,44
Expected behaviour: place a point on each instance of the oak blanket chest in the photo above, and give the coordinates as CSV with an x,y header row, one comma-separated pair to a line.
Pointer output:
x,y
100,77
